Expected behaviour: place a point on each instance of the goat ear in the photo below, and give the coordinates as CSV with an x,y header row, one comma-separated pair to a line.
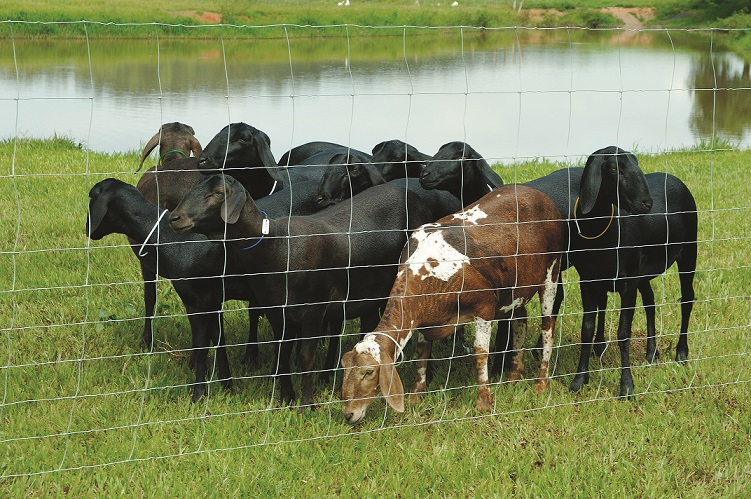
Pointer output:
x,y
490,177
150,145
97,211
591,182
234,200
391,384
348,359
195,147
374,176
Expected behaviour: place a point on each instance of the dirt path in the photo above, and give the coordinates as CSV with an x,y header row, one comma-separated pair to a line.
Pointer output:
x,y
632,18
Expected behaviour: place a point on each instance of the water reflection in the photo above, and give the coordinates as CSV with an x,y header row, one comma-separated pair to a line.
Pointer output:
x,y
511,94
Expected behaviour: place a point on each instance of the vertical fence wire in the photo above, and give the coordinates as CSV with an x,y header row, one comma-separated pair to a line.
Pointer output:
x,y
212,409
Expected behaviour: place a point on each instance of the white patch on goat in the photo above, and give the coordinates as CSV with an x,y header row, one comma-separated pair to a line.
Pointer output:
x,y
516,303
548,295
483,330
370,346
471,215
435,256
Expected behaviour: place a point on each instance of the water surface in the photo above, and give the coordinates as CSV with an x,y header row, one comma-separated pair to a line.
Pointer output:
x,y
512,95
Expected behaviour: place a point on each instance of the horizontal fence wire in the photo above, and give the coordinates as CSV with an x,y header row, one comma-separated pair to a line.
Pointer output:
x,y
82,386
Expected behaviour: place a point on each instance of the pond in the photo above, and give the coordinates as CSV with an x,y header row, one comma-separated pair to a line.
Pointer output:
x,y
512,94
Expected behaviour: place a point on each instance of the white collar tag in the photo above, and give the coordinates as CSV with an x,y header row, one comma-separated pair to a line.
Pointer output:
x,y
265,226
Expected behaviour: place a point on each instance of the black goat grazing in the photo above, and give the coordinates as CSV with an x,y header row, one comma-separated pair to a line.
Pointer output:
x,y
618,252
459,169
193,264
339,261
243,151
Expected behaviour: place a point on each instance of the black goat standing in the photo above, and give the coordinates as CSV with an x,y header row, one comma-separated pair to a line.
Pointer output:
x,y
615,251
193,264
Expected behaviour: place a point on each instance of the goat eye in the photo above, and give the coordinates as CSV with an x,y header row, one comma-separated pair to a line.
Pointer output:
x,y
368,373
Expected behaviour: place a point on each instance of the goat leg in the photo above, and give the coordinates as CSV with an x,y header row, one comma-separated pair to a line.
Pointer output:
x,y
251,348
306,356
483,331
199,350
599,345
424,347
149,301
686,270
591,296
504,339
648,300
628,303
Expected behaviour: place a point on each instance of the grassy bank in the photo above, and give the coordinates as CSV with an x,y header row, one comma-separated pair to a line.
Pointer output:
x,y
266,19
188,14
78,393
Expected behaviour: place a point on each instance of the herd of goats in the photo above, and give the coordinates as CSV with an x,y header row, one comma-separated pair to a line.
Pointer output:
x,y
402,240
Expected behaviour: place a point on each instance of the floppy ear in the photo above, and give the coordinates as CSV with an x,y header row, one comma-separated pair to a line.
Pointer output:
x,y
348,359
195,146
391,384
591,181
489,176
373,176
234,200
97,211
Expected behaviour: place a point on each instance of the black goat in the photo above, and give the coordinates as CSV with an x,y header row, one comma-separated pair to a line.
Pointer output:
x,y
618,252
193,264
340,261
397,159
244,152
459,169
391,160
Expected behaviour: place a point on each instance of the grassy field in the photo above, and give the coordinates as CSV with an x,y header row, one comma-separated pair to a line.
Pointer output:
x,y
86,412
47,15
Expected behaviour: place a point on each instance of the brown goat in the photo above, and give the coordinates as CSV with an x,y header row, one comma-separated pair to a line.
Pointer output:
x,y
477,265
174,140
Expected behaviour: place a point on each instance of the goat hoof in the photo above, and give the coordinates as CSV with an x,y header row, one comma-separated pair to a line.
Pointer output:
x,y
198,392
485,403
415,398
579,381
541,386
250,361
303,408
627,391
288,398
652,357
681,356
326,376
598,349
192,361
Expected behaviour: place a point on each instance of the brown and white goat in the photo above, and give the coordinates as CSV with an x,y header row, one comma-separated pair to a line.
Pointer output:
x,y
478,265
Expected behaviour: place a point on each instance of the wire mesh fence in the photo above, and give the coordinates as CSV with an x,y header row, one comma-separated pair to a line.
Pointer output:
x,y
82,386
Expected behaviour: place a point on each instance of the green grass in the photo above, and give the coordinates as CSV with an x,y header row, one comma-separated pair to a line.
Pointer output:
x,y
78,393
48,15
